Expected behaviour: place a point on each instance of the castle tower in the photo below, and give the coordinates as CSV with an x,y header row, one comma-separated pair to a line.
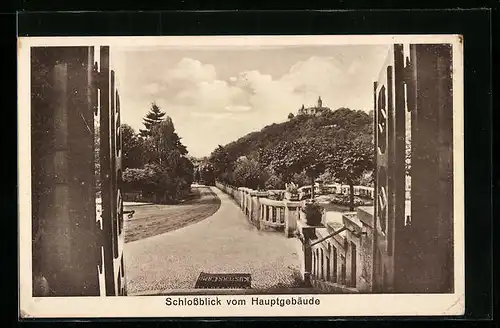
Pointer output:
x,y
320,102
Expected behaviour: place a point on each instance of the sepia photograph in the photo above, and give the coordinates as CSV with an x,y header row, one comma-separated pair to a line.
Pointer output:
x,y
241,176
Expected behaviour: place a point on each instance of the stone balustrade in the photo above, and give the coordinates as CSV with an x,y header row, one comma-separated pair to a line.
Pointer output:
x,y
279,214
264,212
334,259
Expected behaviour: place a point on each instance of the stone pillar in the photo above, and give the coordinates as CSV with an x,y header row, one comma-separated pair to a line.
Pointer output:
x,y
264,216
306,234
250,205
246,203
307,259
290,221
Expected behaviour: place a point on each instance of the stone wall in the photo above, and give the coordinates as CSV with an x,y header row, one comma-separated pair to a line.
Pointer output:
x,y
341,260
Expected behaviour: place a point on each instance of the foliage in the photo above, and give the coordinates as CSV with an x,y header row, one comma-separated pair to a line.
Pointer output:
x,y
292,188
335,145
367,178
222,164
164,145
132,147
206,172
314,213
300,179
146,178
291,116
156,163
153,117
274,182
354,157
248,173
351,160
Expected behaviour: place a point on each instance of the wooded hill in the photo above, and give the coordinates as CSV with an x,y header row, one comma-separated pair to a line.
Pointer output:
x,y
338,143
332,126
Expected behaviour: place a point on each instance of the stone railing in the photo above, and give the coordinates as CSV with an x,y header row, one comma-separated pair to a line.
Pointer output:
x,y
280,214
340,260
264,212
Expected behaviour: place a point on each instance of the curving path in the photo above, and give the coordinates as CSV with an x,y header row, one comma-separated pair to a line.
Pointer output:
x,y
223,243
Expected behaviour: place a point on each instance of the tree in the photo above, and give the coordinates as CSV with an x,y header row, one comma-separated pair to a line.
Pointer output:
x,y
165,145
221,163
168,172
274,182
353,158
300,179
153,117
132,146
247,173
206,171
306,156
197,175
294,147
291,116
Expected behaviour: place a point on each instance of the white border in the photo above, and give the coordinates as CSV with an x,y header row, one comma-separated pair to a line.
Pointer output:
x,y
154,306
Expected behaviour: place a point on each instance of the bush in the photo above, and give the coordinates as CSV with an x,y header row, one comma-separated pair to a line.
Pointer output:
x,y
301,179
292,188
153,179
274,182
248,173
314,213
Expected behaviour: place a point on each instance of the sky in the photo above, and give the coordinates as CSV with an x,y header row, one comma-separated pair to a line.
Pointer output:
x,y
216,94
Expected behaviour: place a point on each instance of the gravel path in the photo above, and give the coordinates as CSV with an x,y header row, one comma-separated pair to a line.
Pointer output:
x,y
223,243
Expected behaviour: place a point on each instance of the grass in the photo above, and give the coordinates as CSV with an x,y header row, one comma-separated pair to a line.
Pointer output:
x,y
154,219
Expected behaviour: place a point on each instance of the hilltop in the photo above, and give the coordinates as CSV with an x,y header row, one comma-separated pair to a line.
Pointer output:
x,y
330,126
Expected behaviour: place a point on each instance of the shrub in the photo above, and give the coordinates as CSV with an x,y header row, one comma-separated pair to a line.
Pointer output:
x,y
313,213
248,173
292,188
301,179
274,182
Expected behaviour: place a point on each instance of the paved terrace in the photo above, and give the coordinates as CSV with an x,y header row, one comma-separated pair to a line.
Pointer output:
x,y
223,243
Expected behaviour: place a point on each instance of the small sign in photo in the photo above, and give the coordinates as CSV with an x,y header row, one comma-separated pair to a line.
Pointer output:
x,y
224,280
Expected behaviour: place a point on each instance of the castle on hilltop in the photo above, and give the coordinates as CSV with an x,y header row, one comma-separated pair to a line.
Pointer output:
x,y
315,110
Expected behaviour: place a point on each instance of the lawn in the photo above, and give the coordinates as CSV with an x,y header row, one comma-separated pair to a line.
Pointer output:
x,y
152,219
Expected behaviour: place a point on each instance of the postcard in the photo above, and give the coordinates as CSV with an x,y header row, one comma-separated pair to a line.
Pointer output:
x,y
241,176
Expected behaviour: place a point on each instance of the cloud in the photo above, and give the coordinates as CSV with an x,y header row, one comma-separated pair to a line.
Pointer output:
x,y
193,84
152,88
238,108
354,67
209,109
304,82
194,70
212,115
